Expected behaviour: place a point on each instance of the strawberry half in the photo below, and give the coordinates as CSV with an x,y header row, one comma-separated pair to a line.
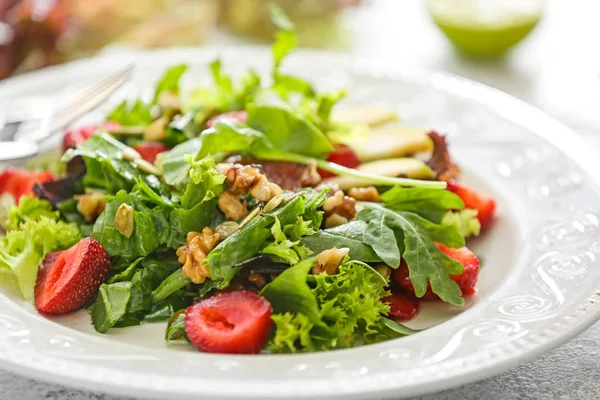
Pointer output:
x,y
150,150
465,281
241,116
233,323
75,137
68,280
342,155
403,305
485,205
19,182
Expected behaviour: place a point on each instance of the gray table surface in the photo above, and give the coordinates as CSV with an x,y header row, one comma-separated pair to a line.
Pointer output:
x,y
571,372
554,69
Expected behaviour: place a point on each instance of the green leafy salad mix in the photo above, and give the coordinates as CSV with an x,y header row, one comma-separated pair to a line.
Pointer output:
x,y
243,215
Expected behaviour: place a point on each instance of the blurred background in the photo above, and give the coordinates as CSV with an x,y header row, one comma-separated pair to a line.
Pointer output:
x,y
545,52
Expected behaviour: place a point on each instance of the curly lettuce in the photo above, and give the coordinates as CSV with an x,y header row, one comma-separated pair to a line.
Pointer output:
x,y
325,312
22,250
464,221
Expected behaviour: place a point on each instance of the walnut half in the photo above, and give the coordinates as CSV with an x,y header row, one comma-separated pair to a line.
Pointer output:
x,y
192,254
328,261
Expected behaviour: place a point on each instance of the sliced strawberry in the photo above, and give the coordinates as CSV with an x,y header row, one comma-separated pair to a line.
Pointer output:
x,y
75,137
403,305
466,281
241,116
69,279
234,323
149,150
484,204
19,182
342,155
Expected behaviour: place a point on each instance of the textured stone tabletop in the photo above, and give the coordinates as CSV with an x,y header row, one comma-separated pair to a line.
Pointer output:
x,y
571,372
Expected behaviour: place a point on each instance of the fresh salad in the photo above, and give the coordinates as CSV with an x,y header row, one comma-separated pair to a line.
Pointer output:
x,y
252,215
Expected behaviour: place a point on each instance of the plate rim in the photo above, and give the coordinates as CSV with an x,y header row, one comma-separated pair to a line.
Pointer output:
x,y
504,104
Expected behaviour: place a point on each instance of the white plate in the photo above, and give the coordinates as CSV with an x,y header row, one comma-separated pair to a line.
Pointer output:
x,y
539,284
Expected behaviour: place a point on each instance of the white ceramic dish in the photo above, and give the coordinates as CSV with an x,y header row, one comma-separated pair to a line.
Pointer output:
x,y
539,285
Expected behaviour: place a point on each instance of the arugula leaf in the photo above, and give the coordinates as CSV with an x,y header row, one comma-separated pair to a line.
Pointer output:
x,y
426,263
110,305
169,81
348,235
288,131
430,204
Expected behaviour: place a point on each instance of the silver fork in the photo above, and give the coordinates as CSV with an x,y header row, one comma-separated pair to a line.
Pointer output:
x,y
23,128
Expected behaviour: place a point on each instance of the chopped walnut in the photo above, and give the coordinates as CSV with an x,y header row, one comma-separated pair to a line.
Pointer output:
x,y
328,261
310,176
339,209
90,205
124,222
231,206
264,190
241,178
246,179
335,220
192,254
341,205
368,193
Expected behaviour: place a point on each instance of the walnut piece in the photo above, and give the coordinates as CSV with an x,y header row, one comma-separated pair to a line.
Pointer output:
x,y
90,205
339,209
328,261
263,190
244,179
231,206
124,222
192,255
335,220
310,176
368,193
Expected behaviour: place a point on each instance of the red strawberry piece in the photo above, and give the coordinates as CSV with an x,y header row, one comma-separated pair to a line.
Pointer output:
x,y
342,155
19,182
233,323
241,116
403,305
466,281
75,137
485,205
68,280
150,150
